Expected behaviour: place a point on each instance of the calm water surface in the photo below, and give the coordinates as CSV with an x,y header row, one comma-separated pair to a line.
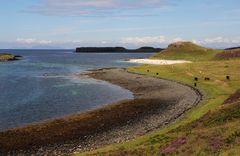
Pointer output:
x,y
41,86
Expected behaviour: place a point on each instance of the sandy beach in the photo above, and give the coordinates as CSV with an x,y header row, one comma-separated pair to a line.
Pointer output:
x,y
156,103
158,62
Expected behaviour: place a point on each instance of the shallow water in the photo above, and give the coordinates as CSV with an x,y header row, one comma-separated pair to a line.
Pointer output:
x,y
41,86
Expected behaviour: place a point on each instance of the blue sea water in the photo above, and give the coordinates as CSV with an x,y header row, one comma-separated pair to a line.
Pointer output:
x,y
41,86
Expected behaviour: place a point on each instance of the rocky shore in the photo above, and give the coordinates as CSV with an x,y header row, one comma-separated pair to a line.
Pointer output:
x,y
8,57
156,103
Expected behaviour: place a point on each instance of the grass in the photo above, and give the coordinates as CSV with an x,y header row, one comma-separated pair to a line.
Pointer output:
x,y
186,51
220,125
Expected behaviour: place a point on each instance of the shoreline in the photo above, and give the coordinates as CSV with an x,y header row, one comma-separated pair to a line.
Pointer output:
x,y
156,103
158,62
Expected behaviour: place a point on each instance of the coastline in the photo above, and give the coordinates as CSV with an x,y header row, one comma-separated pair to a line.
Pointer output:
x,y
157,103
158,62
117,50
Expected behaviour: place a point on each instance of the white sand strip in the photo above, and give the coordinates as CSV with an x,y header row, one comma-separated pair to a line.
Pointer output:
x,y
158,62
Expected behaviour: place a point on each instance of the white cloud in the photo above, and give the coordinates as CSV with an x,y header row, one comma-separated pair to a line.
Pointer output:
x,y
144,40
219,42
195,42
41,43
32,41
92,7
222,40
177,39
156,41
25,41
150,40
215,42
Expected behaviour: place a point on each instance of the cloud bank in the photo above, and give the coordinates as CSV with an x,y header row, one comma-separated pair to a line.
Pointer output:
x,y
92,7
32,41
214,42
130,42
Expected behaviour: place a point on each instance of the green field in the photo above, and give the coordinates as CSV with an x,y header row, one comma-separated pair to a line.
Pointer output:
x,y
211,128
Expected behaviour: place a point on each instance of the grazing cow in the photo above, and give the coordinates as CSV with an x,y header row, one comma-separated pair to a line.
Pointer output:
x,y
228,77
195,84
157,73
196,79
148,71
207,78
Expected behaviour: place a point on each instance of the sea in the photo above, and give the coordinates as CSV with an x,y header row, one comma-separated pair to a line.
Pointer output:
x,y
42,85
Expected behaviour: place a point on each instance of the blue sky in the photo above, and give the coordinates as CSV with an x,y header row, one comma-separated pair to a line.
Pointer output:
x,y
72,23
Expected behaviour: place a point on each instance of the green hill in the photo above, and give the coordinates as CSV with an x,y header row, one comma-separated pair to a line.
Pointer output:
x,y
186,51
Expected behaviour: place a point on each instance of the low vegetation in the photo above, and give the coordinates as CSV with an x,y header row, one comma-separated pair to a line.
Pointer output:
x,y
211,128
229,54
7,57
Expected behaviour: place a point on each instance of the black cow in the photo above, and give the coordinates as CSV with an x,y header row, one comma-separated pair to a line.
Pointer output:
x,y
207,79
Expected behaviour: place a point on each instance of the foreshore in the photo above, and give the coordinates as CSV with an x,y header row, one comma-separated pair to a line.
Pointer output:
x,y
158,62
156,103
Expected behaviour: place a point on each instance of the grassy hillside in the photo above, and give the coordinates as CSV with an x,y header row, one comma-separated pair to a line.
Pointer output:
x,y
186,51
211,128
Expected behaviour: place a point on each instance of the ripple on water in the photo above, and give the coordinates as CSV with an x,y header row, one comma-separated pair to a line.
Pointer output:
x,y
39,87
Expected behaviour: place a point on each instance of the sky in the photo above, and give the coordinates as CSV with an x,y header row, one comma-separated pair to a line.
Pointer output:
x,y
129,23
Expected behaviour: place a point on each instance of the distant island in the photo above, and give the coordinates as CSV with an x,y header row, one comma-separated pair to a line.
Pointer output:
x,y
117,50
233,48
8,57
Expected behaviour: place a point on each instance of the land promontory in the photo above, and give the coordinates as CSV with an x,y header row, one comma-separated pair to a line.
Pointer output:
x,y
8,57
117,50
186,51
